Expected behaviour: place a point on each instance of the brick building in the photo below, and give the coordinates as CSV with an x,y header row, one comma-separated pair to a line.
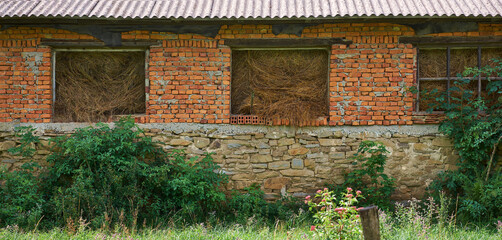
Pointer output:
x,y
186,53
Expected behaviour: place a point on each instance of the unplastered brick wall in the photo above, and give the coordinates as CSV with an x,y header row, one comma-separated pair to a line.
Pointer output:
x,y
189,79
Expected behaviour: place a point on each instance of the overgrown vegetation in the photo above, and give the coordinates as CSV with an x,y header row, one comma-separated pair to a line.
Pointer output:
x,y
368,176
474,123
113,178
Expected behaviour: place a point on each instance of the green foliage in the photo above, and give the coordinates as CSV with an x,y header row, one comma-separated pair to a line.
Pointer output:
x,y
335,219
251,205
369,176
110,176
474,123
103,174
20,202
27,139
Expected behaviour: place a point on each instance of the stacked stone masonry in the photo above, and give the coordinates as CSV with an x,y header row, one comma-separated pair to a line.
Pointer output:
x,y
285,160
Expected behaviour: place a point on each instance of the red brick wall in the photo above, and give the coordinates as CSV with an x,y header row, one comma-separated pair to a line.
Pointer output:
x,y
189,74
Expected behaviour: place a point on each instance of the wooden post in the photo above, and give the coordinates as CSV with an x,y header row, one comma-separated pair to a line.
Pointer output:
x,y
370,223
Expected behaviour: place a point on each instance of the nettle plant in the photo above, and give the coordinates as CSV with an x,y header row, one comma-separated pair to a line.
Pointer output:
x,y
335,219
474,122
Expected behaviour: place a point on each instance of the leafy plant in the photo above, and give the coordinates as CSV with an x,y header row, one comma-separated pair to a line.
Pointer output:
x,y
474,123
369,175
27,140
335,219
20,200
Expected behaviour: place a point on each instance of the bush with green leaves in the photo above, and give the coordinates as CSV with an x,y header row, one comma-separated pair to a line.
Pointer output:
x,y
106,175
474,123
20,201
368,176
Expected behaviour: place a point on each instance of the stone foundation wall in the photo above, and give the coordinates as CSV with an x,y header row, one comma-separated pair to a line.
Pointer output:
x,y
286,160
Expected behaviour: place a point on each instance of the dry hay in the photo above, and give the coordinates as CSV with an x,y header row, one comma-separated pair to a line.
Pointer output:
x,y
433,65
280,84
94,86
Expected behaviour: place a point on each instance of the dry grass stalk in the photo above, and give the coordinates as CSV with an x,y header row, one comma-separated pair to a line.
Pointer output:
x,y
94,86
280,84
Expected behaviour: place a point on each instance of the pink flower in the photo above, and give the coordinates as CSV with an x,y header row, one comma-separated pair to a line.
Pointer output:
x,y
319,191
307,197
340,209
312,228
323,208
323,200
325,189
349,189
357,216
359,208
358,192
350,195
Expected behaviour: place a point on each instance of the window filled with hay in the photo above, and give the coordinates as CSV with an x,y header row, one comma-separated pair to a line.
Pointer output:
x,y
440,68
95,86
281,84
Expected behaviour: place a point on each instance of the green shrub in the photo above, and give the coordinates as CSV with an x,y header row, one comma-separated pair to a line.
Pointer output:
x,y
20,201
474,123
369,176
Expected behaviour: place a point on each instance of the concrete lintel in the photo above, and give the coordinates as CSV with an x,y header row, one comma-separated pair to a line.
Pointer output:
x,y
228,129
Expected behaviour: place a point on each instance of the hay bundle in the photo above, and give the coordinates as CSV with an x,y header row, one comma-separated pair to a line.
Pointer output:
x,y
280,84
93,86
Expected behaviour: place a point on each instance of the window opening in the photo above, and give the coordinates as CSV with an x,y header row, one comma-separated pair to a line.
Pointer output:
x,y
92,86
287,84
439,68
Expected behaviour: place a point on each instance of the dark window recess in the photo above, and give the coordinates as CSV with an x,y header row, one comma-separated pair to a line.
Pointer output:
x,y
440,69
290,85
95,86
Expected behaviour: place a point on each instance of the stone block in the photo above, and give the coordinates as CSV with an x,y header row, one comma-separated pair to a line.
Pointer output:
x,y
442,142
201,142
266,175
297,173
276,183
298,151
258,158
6,145
330,142
279,165
286,141
297,163
179,142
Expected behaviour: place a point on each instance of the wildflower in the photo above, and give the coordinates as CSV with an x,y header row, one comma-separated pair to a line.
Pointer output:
x,y
350,195
323,208
349,189
319,191
325,189
312,228
358,192
307,197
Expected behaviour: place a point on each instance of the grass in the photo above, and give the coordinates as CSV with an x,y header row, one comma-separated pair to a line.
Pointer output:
x,y
238,232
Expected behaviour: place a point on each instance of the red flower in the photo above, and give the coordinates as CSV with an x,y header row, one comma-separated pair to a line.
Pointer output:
x,y
312,228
